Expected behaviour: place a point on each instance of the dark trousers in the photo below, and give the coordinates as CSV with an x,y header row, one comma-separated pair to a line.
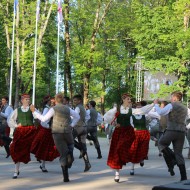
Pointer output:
x,y
177,138
65,145
92,135
80,133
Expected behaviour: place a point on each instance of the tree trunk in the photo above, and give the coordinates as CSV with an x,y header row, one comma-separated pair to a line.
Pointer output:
x,y
97,22
68,48
103,96
86,87
44,22
65,82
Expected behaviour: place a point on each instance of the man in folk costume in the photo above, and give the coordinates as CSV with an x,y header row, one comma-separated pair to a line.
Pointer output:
x,y
80,131
61,130
5,113
92,127
22,121
43,146
175,133
123,135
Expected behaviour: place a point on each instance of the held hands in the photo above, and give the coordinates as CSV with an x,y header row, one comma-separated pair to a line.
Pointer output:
x,y
19,125
32,108
117,125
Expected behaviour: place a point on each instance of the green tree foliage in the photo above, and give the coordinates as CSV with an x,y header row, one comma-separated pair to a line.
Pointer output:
x,y
157,30
161,39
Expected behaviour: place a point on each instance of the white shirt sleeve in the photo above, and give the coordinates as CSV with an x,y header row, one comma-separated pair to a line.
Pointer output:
x,y
77,110
87,117
188,113
153,114
99,119
45,117
165,110
188,126
110,115
131,121
7,113
45,124
75,117
12,119
142,111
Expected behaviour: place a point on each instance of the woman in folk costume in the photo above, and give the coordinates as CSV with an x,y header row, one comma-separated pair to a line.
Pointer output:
x,y
43,146
123,135
139,149
25,131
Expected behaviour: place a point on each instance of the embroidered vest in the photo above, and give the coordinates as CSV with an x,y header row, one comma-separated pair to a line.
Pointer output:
x,y
25,118
139,124
61,119
124,119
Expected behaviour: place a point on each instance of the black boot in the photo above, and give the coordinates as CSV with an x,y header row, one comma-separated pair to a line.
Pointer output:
x,y
7,140
87,163
7,150
81,154
89,137
170,160
77,145
65,173
182,172
70,159
99,153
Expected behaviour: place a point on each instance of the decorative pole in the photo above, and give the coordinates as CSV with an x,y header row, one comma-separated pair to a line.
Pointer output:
x,y
12,53
35,51
139,79
60,19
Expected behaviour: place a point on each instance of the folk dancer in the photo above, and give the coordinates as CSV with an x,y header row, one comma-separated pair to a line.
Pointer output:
x,y
140,146
92,127
5,113
175,133
80,131
22,121
123,135
43,146
62,131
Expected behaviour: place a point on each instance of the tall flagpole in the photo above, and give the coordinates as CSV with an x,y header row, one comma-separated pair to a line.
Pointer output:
x,y
35,52
60,19
57,71
12,53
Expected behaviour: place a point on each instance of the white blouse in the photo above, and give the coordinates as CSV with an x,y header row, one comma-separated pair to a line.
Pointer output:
x,y
110,115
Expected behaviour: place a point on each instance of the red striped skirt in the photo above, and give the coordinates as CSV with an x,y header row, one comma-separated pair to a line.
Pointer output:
x,y
140,146
7,132
121,142
21,144
43,146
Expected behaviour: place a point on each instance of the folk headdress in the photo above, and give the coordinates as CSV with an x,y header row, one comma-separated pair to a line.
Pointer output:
x,y
25,96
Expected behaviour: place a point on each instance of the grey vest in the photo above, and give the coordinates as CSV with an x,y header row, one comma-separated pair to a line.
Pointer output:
x,y
82,114
3,120
61,119
176,118
92,122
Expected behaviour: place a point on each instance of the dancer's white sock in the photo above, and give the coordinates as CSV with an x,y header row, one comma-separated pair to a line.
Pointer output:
x,y
43,164
17,165
117,172
133,166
